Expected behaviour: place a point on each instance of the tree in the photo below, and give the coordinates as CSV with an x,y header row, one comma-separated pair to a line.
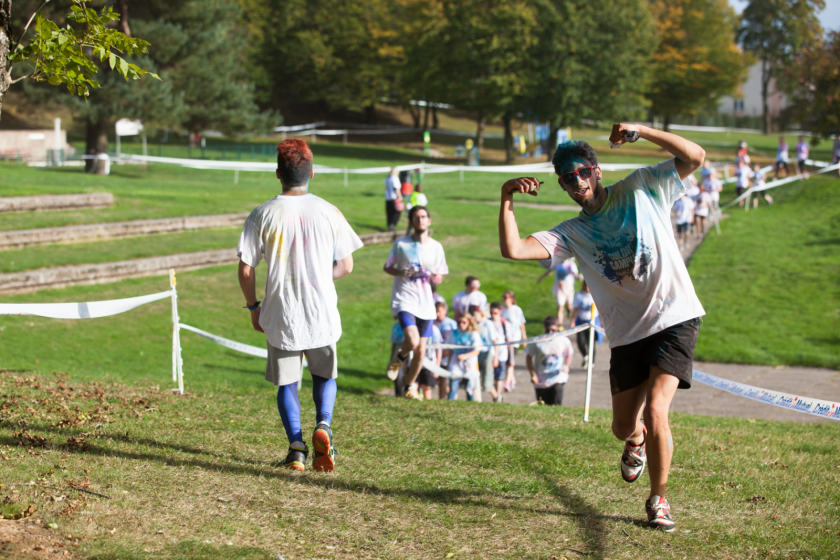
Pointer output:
x,y
584,71
775,31
813,83
65,55
698,60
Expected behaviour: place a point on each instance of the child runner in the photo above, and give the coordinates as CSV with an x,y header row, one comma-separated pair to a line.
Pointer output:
x,y
782,157
701,212
487,355
514,315
548,362
307,245
625,247
416,262
445,325
565,274
758,178
684,211
743,182
582,314
463,362
427,380
504,333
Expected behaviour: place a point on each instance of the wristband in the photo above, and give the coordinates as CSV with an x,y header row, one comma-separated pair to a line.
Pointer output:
x,y
249,308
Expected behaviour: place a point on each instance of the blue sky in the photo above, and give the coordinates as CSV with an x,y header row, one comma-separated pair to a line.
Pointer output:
x,y
829,17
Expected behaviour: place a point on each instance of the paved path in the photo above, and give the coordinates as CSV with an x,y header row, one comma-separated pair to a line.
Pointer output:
x,y
700,399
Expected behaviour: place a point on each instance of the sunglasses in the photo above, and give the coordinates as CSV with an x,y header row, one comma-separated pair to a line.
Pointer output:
x,y
569,178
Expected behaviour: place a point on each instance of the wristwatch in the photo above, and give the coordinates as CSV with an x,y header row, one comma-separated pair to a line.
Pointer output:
x,y
251,308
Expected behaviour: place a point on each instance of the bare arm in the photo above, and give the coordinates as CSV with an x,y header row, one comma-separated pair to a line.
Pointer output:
x,y
568,361
509,241
530,363
248,285
689,155
343,267
547,272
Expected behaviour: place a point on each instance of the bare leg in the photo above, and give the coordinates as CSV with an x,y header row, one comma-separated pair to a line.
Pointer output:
x,y
660,387
627,412
443,388
416,360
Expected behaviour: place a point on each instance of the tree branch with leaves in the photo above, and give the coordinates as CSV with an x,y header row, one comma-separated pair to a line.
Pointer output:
x,y
66,55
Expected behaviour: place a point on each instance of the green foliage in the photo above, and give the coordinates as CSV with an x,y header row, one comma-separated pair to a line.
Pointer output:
x,y
63,55
698,60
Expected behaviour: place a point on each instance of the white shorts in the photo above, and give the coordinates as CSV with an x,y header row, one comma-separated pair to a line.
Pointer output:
x,y
285,367
564,292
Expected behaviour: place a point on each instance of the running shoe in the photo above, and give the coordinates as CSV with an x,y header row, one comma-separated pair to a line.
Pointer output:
x,y
395,365
633,459
413,394
659,514
296,458
325,452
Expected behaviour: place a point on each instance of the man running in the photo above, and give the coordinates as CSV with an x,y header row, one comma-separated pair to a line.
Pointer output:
x,y
307,245
624,244
416,262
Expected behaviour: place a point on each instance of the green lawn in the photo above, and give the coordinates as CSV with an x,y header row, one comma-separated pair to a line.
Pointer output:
x,y
195,478
769,284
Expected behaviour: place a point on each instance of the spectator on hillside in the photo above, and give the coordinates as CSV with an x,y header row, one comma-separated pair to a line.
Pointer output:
x,y
802,152
782,157
463,362
703,205
426,379
445,325
714,186
469,297
684,211
548,363
758,178
582,314
514,315
393,200
487,357
504,333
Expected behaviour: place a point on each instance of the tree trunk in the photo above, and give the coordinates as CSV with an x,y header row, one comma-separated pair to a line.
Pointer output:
x,y
123,24
509,155
551,141
96,143
370,114
426,117
765,86
479,134
5,43
415,115
666,124
435,122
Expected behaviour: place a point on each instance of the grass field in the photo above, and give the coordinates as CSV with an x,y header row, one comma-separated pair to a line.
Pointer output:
x,y
194,478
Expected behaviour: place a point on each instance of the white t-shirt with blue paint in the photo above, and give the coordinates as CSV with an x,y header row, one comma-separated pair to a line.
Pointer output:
x,y
413,294
629,257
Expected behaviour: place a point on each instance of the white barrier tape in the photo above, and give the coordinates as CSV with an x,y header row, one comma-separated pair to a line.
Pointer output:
x,y
532,340
734,178
779,183
298,127
86,310
436,369
824,409
232,344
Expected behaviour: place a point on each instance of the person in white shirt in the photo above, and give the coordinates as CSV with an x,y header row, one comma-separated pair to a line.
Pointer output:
x,y
782,157
684,211
714,186
582,314
463,362
393,199
470,297
565,274
625,247
514,315
548,363
503,333
802,151
427,380
307,245
702,207
445,325
416,262
743,182
759,178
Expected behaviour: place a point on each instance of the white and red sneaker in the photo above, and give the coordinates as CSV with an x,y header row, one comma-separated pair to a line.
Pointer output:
x,y
633,459
659,513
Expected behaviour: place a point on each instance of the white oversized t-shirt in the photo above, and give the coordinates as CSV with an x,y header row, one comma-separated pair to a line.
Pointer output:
x,y
516,318
549,361
462,301
299,237
629,257
414,294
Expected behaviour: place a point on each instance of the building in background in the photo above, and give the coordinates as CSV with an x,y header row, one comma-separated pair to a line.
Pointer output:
x,y
748,104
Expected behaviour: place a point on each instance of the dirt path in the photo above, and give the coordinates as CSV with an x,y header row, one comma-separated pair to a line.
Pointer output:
x,y
700,399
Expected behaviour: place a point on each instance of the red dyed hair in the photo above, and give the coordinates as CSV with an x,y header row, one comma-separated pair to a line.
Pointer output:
x,y
294,162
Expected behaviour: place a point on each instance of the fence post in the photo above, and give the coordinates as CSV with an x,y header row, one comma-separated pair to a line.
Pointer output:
x,y
177,361
589,365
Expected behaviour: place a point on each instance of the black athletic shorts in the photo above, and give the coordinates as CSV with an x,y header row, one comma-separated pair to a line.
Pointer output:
x,y
671,349
682,228
425,377
551,395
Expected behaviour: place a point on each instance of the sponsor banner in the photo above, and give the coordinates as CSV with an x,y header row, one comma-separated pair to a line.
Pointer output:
x,y
232,344
85,310
533,339
825,409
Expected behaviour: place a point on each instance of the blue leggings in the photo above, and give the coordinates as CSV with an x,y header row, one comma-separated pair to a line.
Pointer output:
x,y
323,393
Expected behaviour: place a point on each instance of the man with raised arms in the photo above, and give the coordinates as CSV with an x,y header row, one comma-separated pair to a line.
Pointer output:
x,y
307,245
625,248
416,262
